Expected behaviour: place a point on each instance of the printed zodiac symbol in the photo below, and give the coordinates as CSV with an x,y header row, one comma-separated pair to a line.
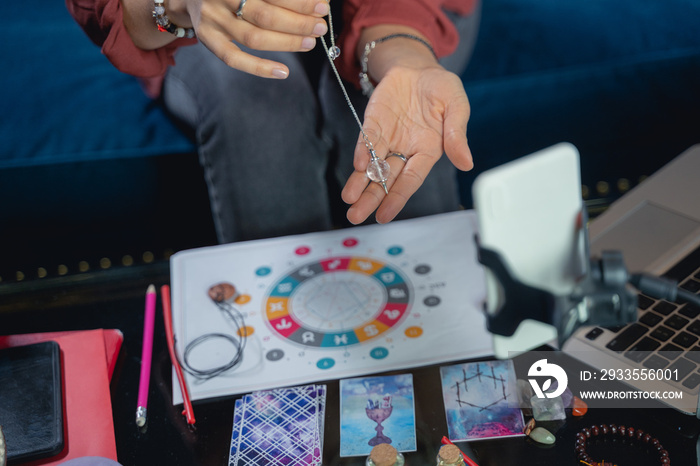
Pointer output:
x,y
276,307
283,325
393,315
334,264
341,339
364,265
284,287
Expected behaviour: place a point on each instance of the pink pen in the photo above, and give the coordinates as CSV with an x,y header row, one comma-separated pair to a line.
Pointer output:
x,y
146,355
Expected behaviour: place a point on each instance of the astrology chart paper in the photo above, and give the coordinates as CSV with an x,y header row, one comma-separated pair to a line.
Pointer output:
x,y
331,305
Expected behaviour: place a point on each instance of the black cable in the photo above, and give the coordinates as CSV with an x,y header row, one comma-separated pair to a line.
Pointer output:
x,y
662,288
239,343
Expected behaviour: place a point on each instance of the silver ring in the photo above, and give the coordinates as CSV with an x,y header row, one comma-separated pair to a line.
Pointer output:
x,y
397,154
239,11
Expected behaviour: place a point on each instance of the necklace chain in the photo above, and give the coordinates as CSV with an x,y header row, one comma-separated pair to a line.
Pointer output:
x,y
332,53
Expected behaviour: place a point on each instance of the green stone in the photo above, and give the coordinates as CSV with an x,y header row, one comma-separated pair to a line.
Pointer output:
x,y
542,435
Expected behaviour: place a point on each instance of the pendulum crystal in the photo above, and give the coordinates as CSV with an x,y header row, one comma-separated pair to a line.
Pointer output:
x,y
378,170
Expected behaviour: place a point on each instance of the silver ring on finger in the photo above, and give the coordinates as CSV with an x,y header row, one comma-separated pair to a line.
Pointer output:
x,y
399,155
239,11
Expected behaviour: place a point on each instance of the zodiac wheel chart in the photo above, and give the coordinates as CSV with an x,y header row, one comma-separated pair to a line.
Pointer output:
x,y
338,301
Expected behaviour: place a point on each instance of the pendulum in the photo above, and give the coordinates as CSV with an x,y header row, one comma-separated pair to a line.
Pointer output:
x,y
377,169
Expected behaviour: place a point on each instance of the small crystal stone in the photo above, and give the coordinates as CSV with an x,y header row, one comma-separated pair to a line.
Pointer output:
x,y
580,408
378,170
547,409
530,425
541,435
334,52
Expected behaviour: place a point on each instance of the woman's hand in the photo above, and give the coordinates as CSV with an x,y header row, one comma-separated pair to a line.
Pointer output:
x,y
272,25
420,112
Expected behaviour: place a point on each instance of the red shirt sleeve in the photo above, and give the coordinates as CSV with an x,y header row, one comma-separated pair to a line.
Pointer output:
x,y
102,21
426,16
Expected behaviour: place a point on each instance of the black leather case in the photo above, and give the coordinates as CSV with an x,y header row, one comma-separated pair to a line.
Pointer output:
x,y
31,408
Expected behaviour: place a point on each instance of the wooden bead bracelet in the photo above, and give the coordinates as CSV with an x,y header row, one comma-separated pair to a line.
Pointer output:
x,y
619,431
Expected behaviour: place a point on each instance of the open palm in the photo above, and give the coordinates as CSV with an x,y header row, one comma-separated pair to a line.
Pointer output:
x,y
421,113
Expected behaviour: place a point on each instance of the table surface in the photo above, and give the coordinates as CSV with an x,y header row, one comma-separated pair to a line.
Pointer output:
x,y
114,299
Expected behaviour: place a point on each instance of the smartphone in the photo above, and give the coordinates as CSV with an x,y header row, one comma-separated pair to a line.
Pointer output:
x,y
530,212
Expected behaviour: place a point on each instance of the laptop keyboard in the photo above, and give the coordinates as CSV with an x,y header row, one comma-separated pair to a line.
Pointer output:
x,y
666,335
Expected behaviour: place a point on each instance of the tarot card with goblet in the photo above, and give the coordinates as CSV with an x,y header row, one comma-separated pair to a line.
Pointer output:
x,y
376,410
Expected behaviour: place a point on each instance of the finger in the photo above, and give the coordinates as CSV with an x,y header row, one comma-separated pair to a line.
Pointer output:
x,y
354,187
234,57
408,180
318,8
455,134
368,202
274,18
374,196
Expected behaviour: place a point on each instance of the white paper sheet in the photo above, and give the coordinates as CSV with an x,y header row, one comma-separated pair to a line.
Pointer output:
x,y
335,304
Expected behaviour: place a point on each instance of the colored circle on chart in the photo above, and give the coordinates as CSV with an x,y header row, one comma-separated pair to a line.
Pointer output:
x,y
414,332
302,250
325,363
422,269
337,302
394,250
350,242
263,271
431,301
245,331
379,352
242,299
274,355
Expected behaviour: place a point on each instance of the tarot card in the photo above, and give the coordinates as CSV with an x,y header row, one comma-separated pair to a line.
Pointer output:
x,y
279,427
481,400
376,410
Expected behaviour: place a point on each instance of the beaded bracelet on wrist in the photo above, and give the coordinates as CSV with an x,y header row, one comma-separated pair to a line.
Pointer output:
x,y
365,83
163,22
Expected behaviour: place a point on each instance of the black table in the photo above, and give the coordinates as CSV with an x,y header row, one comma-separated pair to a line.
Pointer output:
x,y
115,298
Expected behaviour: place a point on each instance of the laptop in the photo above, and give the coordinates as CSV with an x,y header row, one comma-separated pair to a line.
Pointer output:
x,y
656,225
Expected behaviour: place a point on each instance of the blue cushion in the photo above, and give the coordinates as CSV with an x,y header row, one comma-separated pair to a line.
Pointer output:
x,y
64,102
619,79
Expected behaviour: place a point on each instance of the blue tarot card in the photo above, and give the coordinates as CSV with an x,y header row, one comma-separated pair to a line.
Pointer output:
x,y
481,400
279,427
376,410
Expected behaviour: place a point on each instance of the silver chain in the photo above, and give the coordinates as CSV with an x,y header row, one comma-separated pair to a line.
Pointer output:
x,y
332,54
377,170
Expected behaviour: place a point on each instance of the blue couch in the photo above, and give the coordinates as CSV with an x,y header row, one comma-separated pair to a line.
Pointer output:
x,y
94,173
